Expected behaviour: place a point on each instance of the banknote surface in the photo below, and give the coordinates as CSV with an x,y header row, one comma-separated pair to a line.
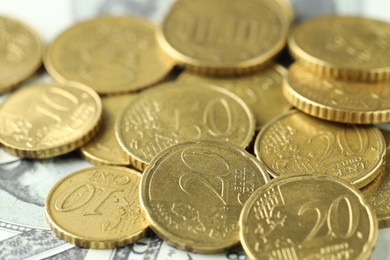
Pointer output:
x,y
24,184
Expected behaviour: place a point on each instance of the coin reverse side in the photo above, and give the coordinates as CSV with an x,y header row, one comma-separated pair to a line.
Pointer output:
x,y
296,143
178,112
97,207
193,193
308,217
46,120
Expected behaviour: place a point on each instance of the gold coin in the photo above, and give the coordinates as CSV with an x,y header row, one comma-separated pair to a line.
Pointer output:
x,y
46,120
308,217
20,52
193,193
296,143
337,100
224,37
345,47
378,192
178,112
262,91
110,54
98,207
104,147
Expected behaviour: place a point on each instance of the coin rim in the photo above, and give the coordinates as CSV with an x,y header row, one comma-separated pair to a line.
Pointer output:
x,y
331,69
86,240
141,163
359,182
183,242
78,139
329,113
373,236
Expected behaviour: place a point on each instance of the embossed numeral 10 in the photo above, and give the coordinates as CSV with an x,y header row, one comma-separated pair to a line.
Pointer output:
x,y
81,195
50,108
342,142
208,170
331,216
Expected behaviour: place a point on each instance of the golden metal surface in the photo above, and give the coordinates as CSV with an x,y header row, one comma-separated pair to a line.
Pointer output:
x,y
20,52
104,147
46,120
308,217
224,37
97,207
193,193
344,47
337,100
296,143
262,91
109,54
178,112
378,192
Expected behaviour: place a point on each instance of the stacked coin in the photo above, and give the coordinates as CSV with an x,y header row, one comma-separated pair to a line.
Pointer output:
x,y
200,190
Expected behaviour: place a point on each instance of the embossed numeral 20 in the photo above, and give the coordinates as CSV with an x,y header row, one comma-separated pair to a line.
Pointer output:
x,y
331,216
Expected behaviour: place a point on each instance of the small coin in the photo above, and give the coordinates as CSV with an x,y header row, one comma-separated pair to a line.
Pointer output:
x,y
46,120
262,91
20,52
337,100
104,147
97,207
378,192
296,143
208,36
110,54
193,193
178,112
345,47
308,217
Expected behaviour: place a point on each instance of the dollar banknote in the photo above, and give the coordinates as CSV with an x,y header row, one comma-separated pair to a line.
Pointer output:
x,y
24,184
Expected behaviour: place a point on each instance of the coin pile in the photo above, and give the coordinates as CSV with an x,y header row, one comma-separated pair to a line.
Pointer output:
x,y
187,129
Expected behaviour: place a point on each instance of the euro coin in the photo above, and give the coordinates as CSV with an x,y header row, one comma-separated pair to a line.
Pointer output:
x,y
193,193
104,148
21,52
378,192
110,54
224,37
178,112
97,207
296,143
344,47
46,120
308,217
262,91
345,101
